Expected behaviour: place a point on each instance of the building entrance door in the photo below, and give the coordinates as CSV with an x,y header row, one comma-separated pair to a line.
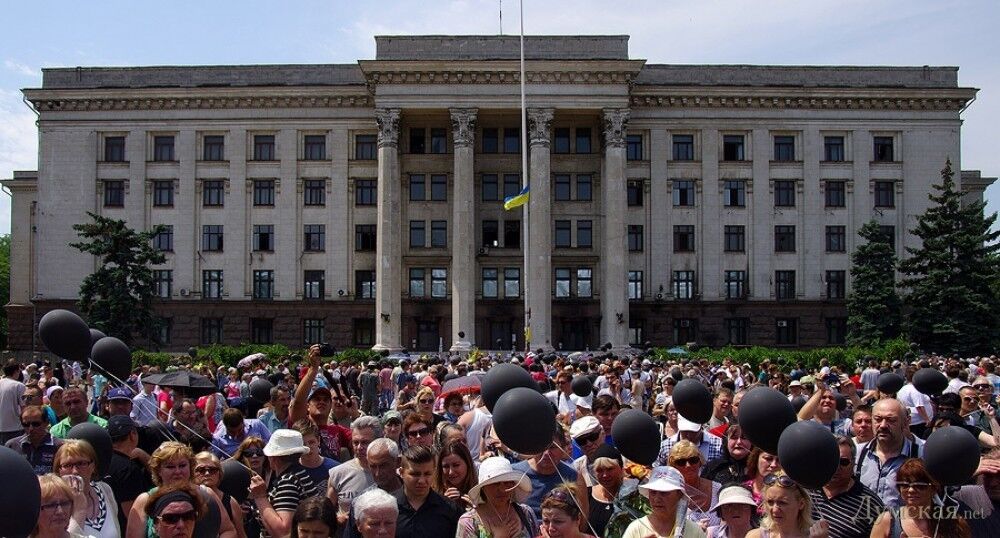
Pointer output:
x,y
575,334
427,336
500,331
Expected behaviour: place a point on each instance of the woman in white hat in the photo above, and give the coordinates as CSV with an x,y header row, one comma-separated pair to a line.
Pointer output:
x,y
736,508
665,491
289,485
497,497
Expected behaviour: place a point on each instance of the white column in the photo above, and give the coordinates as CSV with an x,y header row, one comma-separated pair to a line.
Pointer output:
x,y
388,249
463,232
539,277
614,276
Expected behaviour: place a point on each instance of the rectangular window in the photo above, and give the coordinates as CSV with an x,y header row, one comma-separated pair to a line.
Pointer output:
x,y
312,331
163,281
213,192
885,194
734,238
314,239
439,283
439,233
734,193
633,147
683,192
583,140
736,331
836,331
836,284
634,192
584,282
883,149
511,140
490,282
563,237
512,234
685,330
364,332
736,284
634,238
836,193
584,234
784,193
261,331
211,331
584,190
114,149
733,148
683,147
263,237
213,148
784,148
263,192
417,235
211,237
165,330
114,193
889,233
263,284
364,237
836,239
560,140
439,188
365,147
263,147
418,188
164,241
491,190
511,185
491,140
364,284
313,284
786,331
418,142
364,192
833,148
439,140
417,282
784,285
684,284
511,282
163,193
491,233
315,148
562,282
636,332
562,188
684,238
314,191
211,284
634,285
163,148
784,238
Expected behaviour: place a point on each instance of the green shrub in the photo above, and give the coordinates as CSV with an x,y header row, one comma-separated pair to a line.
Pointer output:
x,y
847,358
220,355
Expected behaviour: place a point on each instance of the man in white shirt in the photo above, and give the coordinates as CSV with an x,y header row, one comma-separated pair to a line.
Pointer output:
x,y
918,405
144,405
11,391
561,396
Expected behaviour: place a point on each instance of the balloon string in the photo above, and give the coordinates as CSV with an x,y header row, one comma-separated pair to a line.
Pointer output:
x,y
567,482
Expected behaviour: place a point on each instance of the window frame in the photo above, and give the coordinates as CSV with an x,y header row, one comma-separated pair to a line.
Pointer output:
x,y
439,283
265,148
113,192
784,148
683,192
418,226
737,187
879,145
784,193
734,238
489,187
314,192
365,147
508,279
263,284
682,146
836,238
365,237
684,285
784,238
314,237
584,233
584,282
884,194
261,331
313,330
164,148
264,192
263,238
633,290
417,283
490,275
735,283
439,234
364,284
114,149
313,288
563,234
417,187
734,147
365,192
212,238
684,238
836,284
163,193
163,283
784,285
633,147
634,238
164,241
834,146
314,147
439,188
212,283
834,193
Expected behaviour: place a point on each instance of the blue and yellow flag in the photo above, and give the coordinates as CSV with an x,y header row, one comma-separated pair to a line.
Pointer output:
x,y
517,200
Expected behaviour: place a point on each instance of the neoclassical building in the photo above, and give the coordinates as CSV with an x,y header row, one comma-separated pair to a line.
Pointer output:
x,y
362,204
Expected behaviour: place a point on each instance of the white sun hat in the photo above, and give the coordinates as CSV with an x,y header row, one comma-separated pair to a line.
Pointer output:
x,y
285,442
663,479
497,469
733,495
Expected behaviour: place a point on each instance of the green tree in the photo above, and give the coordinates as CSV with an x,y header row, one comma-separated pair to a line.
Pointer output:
x,y
4,286
873,307
117,298
951,277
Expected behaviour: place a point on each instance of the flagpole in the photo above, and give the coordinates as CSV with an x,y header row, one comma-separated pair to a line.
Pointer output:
x,y
525,243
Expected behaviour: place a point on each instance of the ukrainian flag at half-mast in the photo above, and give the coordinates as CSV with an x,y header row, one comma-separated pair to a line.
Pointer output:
x,y
517,200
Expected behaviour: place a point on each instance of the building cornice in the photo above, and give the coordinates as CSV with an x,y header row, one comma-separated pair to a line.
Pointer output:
x,y
803,98
198,98
501,72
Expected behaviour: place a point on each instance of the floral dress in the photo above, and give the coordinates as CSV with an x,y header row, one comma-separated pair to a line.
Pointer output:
x,y
470,525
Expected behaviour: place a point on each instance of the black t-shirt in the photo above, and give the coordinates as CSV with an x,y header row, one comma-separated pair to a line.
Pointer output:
x,y
128,479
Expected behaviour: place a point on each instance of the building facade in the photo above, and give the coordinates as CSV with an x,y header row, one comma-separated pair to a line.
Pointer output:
x,y
363,204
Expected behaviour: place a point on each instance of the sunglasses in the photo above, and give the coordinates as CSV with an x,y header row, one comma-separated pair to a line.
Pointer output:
x,y
173,519
71,465
588,438
686,462
253,453
969,399
426,402
844,462
780,479
418,433
919,486
32,424
206,470
983,387
58,505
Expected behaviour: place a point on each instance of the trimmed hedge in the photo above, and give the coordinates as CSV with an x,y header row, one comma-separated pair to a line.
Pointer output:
x,y
220,355
843,356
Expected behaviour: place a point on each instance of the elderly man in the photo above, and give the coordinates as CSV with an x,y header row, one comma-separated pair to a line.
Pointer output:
x,y
849,508
277,417
376,512
289,484
709,444
587,436
75,402
36,444
353,477
383,463
879,459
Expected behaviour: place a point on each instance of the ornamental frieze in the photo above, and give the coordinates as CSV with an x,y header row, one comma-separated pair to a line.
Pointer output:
x,y
187,103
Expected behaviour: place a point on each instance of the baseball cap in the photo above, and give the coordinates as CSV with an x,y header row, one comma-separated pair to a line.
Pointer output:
x,y
120,393
119,426
316,390
686,425
795,383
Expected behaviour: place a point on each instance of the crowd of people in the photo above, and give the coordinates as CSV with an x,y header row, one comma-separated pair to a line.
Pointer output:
x,y
407,448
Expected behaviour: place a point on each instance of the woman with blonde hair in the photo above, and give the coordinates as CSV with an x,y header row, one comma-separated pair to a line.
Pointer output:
x,y
787,511
251,454
702,493
424,406
97,515
208,473
59,500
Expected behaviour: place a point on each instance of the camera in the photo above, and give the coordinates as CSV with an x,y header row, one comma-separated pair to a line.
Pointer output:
x,y
327,350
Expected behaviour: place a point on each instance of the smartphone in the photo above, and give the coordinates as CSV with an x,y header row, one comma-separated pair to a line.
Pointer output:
x,y
327,350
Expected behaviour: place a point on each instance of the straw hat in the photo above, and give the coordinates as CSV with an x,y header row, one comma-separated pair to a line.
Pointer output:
x,y
497,469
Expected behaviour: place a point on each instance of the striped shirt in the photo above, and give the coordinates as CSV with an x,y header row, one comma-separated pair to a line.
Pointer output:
x,y
850,514
289,489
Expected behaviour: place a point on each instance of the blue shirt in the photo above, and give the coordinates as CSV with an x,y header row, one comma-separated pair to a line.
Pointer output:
x,y
272,422
144,408
225,445
710,447
542,484
881,477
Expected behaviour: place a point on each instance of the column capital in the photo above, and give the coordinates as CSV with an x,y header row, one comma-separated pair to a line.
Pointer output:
x,y
615,126
539,122
463,126
388,127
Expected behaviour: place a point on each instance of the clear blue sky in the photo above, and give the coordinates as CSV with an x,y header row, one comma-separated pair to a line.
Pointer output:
x,y
813,32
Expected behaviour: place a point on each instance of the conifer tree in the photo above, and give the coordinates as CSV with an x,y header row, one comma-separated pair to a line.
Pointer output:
x,y
873,307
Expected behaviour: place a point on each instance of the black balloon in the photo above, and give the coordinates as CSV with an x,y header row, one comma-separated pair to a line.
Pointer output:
x,y
582,386
20,496
693,401
260,390
235,480
525,420
501,378
192,352
841,402
930,381
951,455
636,436
798,403
112,356
764,414
95,335
808,453
65,334
99,438
890,382
676,373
